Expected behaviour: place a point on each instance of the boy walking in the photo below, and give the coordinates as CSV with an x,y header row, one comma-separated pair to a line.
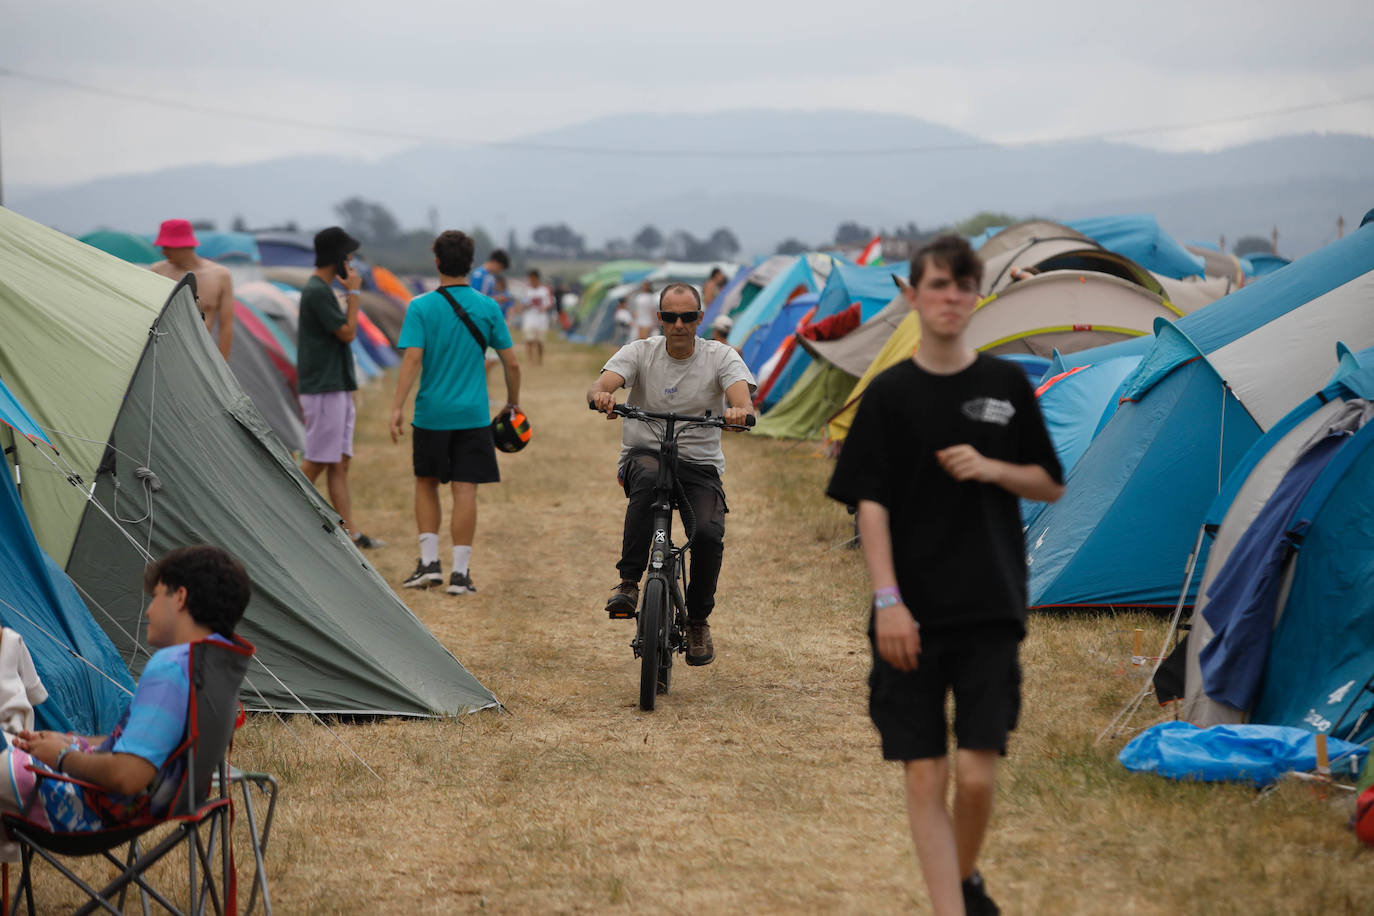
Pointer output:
x,y
444,336
942,447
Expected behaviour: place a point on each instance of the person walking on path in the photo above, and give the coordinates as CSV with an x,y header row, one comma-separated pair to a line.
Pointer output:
x,y
534,319
214,285
444,336
942,448
679,373
643,304
325,372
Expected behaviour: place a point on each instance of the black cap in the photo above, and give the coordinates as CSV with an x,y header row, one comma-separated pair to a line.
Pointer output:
x,y
333,245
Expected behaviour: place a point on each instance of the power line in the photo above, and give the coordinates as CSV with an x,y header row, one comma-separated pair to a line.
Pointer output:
x,y
664,153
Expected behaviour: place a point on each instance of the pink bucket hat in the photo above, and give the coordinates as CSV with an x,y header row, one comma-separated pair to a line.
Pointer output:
x,y
176,233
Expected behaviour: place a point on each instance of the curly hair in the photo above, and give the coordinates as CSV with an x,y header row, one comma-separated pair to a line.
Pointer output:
x,y
217,586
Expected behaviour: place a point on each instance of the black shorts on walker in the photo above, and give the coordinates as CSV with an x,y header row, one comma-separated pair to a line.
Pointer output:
x,y
979,664
462,455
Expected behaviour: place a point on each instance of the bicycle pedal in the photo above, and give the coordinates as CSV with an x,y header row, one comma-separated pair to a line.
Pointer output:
x,y
622,615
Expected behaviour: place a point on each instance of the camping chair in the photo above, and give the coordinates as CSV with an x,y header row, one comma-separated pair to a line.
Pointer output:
x,y
267,785
216,671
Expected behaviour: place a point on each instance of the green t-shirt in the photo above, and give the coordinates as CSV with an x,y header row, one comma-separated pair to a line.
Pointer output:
x,y
453,378
323,362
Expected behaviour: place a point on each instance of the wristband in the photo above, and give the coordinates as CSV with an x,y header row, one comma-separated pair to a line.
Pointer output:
x,y
60,757
886,597
352,292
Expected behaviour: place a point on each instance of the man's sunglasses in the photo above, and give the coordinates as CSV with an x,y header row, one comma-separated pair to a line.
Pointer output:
x,y
675,317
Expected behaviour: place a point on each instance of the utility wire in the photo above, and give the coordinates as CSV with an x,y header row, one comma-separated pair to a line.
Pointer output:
x,y
664,153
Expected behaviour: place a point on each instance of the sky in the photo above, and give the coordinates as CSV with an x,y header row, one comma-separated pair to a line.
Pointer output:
x,y
379,75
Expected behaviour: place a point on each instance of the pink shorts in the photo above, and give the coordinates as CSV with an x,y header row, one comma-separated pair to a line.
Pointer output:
x,y
328,426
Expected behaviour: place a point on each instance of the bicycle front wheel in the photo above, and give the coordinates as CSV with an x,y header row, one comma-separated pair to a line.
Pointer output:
x,y
653,643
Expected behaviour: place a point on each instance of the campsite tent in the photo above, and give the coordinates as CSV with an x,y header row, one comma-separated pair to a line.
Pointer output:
x,y
1211,383
132,248
161,448
88,686
1064,310
1294,645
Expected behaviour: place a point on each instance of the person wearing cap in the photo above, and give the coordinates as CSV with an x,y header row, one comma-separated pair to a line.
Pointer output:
x,y
214,285
443,337
721,327
325,371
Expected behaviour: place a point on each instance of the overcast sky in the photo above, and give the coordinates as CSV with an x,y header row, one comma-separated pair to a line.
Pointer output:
x,y
500,70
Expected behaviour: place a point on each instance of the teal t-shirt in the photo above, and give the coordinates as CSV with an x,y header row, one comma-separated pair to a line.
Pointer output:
x,y
453,377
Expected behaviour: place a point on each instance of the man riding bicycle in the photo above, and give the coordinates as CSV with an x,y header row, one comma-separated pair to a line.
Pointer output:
x,y
678,373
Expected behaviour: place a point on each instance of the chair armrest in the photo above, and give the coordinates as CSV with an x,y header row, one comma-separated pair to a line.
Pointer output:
x,y
44,773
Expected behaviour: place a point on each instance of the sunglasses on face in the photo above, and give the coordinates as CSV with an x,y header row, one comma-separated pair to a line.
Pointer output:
x,y
675,317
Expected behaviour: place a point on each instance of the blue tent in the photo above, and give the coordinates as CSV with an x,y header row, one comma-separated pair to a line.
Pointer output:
x,y
1210,384
1264,264
1138,237
1297,505
871,287
87,682
766,339
771,298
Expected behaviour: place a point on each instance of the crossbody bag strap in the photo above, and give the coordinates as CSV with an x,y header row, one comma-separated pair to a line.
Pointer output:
x,y
467,320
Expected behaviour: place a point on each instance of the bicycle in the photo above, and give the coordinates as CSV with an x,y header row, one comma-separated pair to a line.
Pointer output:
x,y
661,629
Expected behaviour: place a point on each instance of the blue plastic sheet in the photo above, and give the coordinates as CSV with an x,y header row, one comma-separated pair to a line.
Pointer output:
x,y
1258,754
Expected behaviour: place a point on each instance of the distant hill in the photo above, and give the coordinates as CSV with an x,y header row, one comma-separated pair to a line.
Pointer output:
x,y
930,174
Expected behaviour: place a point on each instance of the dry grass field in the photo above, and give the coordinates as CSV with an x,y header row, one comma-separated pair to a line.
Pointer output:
x,y
757,785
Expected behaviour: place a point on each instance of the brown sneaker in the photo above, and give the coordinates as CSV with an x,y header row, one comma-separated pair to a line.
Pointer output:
x,y
623,601
700,649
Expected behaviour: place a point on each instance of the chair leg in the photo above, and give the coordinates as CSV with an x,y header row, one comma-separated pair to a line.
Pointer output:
x,y
268,786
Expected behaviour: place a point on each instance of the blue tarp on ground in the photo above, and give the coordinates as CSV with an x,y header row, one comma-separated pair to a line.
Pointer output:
x,y
88,685
1257,754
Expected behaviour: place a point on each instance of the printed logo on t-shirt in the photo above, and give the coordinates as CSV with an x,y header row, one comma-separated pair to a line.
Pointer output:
x,y
670,392
989,410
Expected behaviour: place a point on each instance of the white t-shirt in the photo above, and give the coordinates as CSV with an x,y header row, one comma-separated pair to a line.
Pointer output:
x,y
644,305
538,304
694,385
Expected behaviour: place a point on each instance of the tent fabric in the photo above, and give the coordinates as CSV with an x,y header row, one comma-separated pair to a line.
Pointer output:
x,y
1212,382
855,351
997,242
803,411
1245,593
95,361
41,604
264,383
1322,649
1247,491
330,631
124,245
1066,310
772,297
1140,238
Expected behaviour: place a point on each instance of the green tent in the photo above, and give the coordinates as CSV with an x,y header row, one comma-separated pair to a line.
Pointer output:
x,y
124,245
802,413
159,447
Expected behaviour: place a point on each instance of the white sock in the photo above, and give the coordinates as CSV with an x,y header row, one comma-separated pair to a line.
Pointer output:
x,y
460,559
429,548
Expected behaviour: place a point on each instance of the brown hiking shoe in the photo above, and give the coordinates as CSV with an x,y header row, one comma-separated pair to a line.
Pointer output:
x,y
623,601
700,649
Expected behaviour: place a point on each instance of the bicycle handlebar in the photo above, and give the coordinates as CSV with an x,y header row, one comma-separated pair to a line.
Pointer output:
x,y
638,413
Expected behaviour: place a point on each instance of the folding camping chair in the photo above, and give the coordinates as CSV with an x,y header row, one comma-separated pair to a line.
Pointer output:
x,y
216,671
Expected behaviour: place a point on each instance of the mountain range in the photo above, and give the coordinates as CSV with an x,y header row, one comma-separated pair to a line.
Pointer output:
x,y
766,175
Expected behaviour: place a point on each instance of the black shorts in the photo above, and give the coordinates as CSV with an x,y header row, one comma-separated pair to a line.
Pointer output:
x,y
463,455
979,663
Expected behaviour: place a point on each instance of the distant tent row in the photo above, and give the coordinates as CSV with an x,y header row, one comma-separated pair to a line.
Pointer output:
x,y
157,446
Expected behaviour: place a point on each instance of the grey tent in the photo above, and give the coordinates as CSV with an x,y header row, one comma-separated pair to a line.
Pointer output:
x,y
160,448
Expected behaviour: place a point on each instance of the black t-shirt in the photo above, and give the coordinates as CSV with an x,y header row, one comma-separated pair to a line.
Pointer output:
x,y
957,547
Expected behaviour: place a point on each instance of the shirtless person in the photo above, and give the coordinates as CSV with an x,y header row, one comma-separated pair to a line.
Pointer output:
x,y
214,287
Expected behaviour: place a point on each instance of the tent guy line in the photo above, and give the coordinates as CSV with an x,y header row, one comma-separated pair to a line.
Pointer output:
x,y
357,130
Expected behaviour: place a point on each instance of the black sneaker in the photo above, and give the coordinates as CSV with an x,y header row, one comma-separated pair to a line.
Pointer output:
x,y
424,575
976,899
623,601
461,584
364,542
700,649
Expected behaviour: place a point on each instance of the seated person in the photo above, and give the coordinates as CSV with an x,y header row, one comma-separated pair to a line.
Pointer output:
x,y
197,593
